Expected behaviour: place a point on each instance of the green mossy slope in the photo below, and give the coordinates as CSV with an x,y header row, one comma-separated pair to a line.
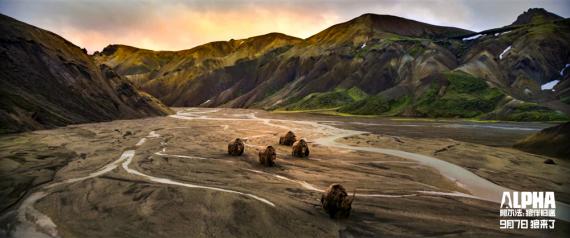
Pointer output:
x,y
328,100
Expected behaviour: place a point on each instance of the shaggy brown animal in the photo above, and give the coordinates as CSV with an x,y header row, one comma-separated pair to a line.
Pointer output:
x,y
236,147
267,156
300,149
336,201
288,139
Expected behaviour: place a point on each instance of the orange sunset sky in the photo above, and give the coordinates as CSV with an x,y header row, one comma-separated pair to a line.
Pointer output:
x,y
176,25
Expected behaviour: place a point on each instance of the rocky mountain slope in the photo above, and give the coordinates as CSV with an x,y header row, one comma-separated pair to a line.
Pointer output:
x,y
166,73
46,81
552,141
536,15
396,66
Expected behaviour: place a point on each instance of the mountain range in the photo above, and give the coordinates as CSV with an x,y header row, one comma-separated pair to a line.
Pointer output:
x,y
371,65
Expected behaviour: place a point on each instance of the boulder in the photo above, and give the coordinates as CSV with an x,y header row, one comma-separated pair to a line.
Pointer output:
x,y
336,201
236,147
549,161
300,149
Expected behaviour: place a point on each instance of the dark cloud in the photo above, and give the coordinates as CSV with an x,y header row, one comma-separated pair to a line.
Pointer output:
x,y
82,14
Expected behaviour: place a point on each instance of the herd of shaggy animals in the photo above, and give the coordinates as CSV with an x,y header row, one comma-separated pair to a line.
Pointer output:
x,y
335,201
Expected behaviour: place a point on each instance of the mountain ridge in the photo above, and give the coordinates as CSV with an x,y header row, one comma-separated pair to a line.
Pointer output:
x,y
372,64
375,23
46,81
536,15
386,55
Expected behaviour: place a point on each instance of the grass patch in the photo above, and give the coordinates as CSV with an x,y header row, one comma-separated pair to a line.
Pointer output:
x,y
373,105
376,105
327,100
533,112
465,97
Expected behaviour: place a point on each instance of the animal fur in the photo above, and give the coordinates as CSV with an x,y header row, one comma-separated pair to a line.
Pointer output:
x,y
336,201
267,157
300,149
288,139
236,147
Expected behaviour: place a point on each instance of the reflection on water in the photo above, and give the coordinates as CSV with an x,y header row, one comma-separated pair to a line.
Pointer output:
x,y
503,134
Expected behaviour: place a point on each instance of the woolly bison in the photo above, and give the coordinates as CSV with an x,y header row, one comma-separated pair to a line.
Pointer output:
x,y
300,149
336,201
267,156
288,139
236,147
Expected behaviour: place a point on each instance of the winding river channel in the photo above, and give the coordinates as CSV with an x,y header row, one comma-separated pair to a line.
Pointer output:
x,y
33,223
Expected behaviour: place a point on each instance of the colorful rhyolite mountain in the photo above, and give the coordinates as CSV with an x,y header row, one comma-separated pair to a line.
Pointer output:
x,y
373,64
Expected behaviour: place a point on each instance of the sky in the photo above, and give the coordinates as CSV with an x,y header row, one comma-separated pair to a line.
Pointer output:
x,y
177,24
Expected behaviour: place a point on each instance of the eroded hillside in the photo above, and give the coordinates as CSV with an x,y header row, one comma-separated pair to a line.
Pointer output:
x,y
398,66
47,81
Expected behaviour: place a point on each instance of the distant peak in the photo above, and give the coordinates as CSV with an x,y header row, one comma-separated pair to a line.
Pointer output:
x,y
370,25
536,15
274,35
371,18
110,49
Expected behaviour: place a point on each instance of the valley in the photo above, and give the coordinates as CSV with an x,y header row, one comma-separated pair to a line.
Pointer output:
x,y
424,125
171,176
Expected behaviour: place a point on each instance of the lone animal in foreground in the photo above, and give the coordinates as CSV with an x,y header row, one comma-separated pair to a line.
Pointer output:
x,y
267,156
300,149
336,201
236,147
288,139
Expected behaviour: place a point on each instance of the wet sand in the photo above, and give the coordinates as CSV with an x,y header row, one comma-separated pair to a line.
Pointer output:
x,y
171,177
503,134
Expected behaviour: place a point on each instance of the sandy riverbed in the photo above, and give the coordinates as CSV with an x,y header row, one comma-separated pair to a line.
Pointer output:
x,y
171,177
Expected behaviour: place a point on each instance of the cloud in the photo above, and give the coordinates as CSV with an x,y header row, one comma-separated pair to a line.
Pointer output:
x,y
172,25
492,13
176,24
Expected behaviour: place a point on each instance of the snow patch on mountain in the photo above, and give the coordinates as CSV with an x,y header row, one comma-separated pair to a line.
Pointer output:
x,y
550,85
472,37
505,51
